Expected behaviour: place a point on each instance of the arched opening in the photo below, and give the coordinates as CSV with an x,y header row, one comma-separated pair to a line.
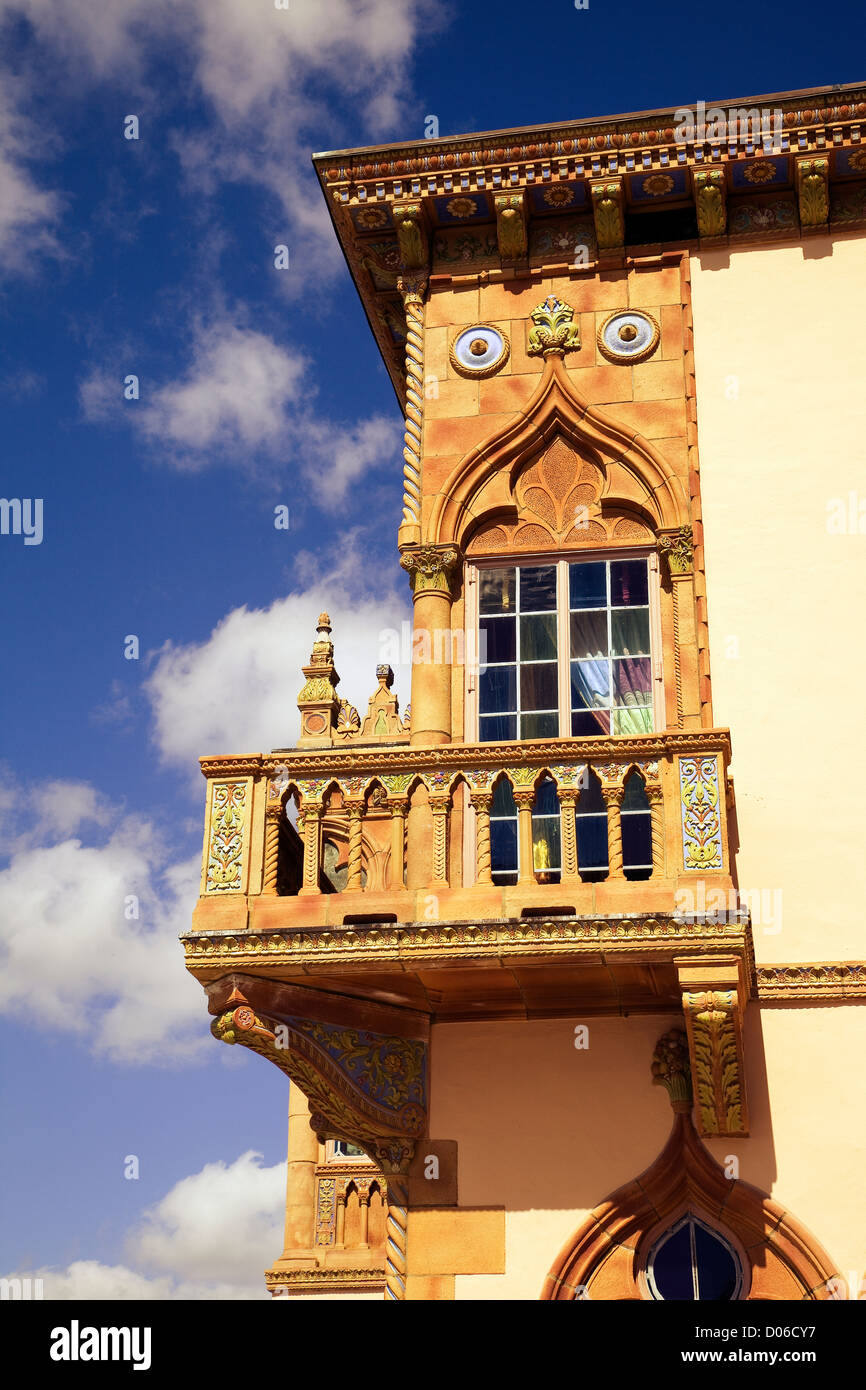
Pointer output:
x,y
636,820
591,821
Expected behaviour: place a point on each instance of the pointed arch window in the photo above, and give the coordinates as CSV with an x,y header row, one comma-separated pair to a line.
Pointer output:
x,y
693,1262
566,648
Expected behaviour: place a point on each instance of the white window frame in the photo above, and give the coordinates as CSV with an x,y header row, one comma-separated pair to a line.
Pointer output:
x,y
562,561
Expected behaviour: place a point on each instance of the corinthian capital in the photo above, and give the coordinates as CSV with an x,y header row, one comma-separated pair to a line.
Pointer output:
x,y
430,566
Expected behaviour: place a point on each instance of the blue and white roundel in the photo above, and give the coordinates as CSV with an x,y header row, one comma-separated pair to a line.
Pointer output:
x,y
628,336
479,350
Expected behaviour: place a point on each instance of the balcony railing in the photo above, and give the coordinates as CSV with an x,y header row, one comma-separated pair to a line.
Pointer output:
x,y
335,836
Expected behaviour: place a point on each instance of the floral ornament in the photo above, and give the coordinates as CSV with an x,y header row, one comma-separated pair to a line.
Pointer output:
x,y
462,207
857,161
762,172
371,218
558,196
657,185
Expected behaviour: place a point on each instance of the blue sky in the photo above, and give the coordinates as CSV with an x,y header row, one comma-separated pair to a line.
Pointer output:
x,y
258,388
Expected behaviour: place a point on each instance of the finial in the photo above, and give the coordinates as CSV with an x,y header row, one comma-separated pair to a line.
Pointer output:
x,y
670,1068
324,623
385,676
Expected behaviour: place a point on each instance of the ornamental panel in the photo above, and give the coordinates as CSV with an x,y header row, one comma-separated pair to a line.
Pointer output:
x,y
701,814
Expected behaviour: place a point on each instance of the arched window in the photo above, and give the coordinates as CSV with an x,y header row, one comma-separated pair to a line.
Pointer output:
x,y
637,853
692,1262
546,842
592,832
503,833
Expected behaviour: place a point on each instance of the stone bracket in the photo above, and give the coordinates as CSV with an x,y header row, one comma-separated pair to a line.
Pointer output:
x,y
813,192
511,225
366,1086
714,998
412,237
607,206
710,202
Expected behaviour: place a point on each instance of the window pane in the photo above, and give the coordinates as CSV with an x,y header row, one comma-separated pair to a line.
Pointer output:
x,y
498,639
539,725
633,721
588,585
503,845
585,724
496,591
539,687
503,803
629,632
591,800
589,634
546,800
545,832
717,1271
672,1267
636,840
590,684
538,638
631,681
497,728
635,798
628,583
538,589
592,843
497,690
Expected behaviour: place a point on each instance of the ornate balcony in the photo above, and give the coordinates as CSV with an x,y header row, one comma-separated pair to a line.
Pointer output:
x,y
369,871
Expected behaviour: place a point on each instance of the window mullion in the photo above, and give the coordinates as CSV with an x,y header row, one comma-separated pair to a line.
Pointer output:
x,y
564,645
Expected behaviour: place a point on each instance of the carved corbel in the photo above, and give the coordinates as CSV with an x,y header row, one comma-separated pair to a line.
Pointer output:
x,y
710,206
713,1002
411,235
511,228
813,192
607,206
367,1087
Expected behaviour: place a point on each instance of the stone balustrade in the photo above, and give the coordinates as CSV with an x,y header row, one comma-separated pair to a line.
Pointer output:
x,y
397,833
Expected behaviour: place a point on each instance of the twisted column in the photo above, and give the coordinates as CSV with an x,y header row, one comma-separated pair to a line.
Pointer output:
x,y
272,848
613,801
395,1236
656,805
440,843
312,848
412,290
525,801
398,840
481,803
567,801
353,879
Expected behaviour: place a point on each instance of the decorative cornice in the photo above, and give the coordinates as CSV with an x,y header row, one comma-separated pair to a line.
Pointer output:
x,y
818,981
538,753
410,945
323,1278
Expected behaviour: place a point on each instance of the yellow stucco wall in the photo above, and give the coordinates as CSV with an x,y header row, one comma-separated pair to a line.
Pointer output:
x,y
780,364
549,1131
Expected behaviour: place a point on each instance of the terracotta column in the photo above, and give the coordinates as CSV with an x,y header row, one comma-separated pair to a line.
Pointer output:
x,y
439,876
656,805
303,1156
364,1204
613,801
567,801
525,802
353,879
312,848
430,568
398,814
340,1233
481,802
273,815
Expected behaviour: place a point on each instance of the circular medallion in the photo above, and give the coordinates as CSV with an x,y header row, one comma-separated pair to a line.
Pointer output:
x,y
479,351
627,336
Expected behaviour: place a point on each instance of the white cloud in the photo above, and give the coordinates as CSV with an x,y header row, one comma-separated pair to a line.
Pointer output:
x,y
178,1248
237,691
75,958
243,396
271,79
28,212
